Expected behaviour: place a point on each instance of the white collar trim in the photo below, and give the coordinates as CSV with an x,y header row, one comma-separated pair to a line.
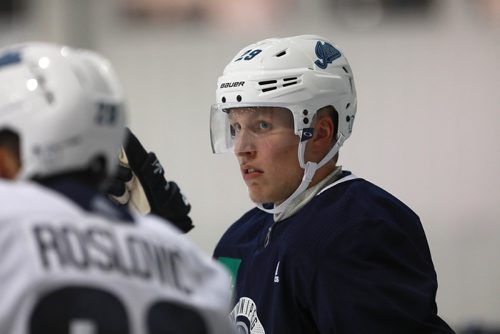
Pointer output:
x,y
344,179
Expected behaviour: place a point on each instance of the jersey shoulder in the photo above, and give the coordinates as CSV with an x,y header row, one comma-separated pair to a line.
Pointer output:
x,y
16,196
360,198
355,204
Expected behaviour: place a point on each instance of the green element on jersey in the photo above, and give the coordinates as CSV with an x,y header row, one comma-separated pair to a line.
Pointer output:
x,y
231,264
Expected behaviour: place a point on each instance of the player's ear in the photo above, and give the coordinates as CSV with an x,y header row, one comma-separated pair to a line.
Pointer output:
x,y
9,165
324,130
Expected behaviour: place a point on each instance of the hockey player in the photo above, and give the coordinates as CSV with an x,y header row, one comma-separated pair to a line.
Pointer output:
x,y
73,262
324,251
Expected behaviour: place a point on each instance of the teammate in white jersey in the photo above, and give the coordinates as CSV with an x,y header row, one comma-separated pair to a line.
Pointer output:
x,y
71,261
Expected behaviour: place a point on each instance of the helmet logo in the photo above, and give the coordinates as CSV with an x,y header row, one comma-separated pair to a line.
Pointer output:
x,y
10,58
326,53
232,84
307,134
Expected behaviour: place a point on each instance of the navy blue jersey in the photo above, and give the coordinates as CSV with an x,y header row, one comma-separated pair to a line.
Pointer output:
x,y
353,260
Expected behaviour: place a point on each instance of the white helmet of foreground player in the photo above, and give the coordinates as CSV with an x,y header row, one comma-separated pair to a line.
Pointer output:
x,y
65,104
301,74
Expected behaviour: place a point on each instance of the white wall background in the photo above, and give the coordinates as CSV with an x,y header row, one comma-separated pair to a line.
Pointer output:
x,y
427,128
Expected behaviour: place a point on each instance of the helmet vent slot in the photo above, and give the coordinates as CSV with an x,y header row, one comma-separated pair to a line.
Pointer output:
x,y
270,85
290,81
280,54
268,82
268,89
345,69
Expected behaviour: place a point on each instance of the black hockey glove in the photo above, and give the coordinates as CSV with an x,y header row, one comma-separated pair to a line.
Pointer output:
x,y
140,181
121,185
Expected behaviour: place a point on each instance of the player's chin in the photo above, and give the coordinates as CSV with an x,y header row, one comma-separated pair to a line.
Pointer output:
x,y
257,196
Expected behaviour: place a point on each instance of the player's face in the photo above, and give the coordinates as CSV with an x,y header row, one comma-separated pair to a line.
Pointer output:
x,y
266,148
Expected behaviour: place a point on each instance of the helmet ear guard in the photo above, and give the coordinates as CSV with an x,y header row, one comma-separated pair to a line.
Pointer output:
x,y
301,73
66,105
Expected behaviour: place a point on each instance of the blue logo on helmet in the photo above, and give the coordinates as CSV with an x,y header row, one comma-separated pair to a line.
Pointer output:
x,y
10,58
326,53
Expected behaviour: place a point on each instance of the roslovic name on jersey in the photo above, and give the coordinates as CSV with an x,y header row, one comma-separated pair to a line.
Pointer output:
x,y
96,248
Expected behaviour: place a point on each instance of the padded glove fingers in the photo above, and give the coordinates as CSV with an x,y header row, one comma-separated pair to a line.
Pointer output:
x,y
148,189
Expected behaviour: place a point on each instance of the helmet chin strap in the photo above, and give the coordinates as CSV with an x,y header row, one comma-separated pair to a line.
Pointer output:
x,y
310,169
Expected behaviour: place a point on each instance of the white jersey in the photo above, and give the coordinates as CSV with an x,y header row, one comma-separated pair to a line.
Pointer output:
x,y
66,271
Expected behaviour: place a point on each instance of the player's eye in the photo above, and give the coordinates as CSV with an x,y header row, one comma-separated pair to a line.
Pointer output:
x,y
264,125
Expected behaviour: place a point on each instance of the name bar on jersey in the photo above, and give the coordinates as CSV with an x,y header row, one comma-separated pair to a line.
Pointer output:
x,y
67,246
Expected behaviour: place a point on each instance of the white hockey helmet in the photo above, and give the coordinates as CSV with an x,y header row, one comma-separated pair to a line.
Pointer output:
x,y
65,104
302,74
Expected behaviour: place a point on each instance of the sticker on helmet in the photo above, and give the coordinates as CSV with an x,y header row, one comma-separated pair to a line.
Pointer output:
x,y
307,134
232,84
107,113
249,54
326,53
10,58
